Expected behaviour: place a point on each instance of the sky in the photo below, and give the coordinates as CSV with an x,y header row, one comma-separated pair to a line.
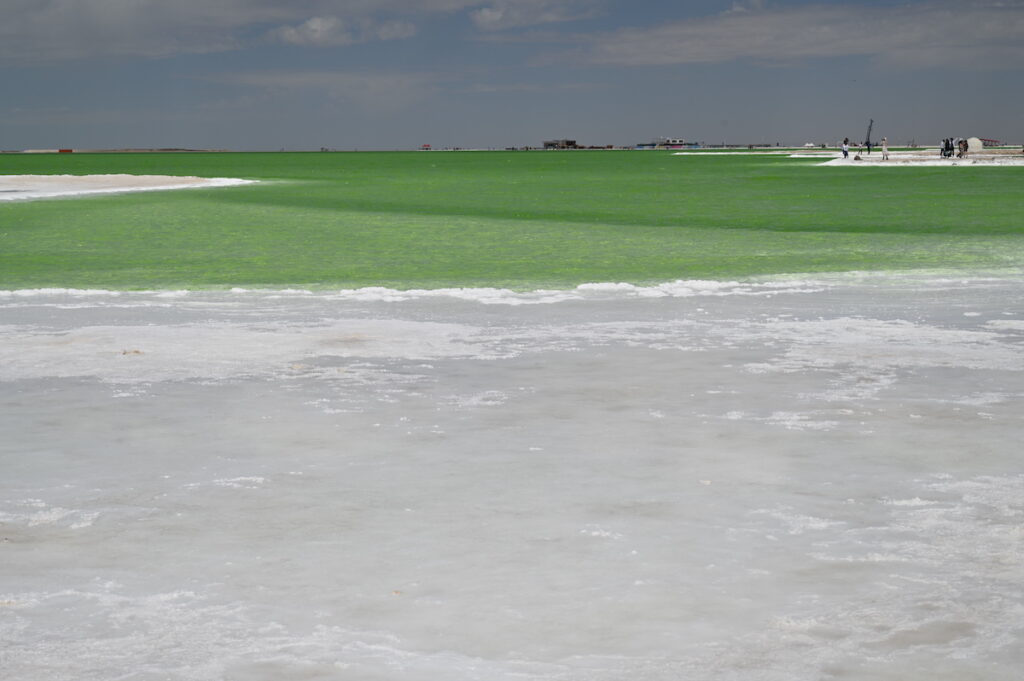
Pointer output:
x,y
395,74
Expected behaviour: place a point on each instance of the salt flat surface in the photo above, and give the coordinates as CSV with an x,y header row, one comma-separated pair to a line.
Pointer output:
x,y
738,152
775,480
897,159
904,159
22,187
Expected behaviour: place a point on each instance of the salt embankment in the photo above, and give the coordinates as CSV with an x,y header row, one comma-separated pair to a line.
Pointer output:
x,y
927,157
902,159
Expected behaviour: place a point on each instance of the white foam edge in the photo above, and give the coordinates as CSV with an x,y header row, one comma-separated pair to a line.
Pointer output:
x,y
681,288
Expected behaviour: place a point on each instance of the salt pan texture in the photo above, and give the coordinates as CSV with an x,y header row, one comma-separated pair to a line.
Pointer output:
x,y
791,479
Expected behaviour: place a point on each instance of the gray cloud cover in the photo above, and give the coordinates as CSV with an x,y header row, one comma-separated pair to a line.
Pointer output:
x,y
332,31
37,31
380,91
67,29
394,73
923,34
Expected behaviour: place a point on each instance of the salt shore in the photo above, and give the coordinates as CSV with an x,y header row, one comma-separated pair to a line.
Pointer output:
x,y
897,159
20,187
926,157
788,478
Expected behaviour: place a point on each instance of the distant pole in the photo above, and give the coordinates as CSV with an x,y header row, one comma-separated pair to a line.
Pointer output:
x,y
867,140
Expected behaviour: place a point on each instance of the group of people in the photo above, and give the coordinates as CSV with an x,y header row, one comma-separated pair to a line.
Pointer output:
x,y
846,148
956,146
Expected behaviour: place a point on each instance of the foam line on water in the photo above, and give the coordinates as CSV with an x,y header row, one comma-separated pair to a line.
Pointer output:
x,y
484,295
679,288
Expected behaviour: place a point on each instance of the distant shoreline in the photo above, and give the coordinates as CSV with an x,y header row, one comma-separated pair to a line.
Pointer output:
x,y
1011,150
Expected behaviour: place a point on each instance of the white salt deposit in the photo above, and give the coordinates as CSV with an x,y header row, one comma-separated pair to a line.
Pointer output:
x,y
926,158
736,481
897,159
735,152
21,187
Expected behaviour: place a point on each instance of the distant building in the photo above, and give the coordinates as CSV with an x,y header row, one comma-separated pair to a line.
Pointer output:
x,y
560,144
990,143
668,143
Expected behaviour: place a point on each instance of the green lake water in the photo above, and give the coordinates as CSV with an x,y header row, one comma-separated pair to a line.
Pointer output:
x,y
513,219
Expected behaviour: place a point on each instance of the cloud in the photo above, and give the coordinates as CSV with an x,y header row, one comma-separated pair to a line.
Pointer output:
x,y
35,31
747,6
332,31
371,91
504,14
917,33
317,31
922,34
501,88
393,30
67,29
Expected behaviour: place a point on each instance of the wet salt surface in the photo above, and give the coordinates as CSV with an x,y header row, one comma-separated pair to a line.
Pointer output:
x,y
785,480
24,187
